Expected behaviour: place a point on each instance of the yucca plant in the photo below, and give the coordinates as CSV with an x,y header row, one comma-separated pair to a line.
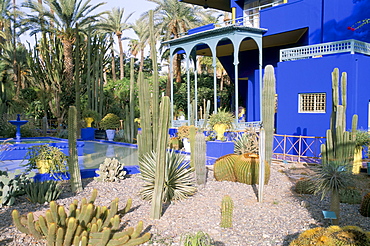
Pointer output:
x,y
329,178
179,180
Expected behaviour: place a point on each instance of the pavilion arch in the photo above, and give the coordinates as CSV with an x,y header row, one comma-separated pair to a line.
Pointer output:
x,y
213,38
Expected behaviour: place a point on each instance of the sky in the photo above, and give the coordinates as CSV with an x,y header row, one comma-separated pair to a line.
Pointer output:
x,y
137,7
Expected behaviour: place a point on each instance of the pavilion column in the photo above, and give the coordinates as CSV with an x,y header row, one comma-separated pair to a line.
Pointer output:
x,y
215,108
194,56
188,87
171,78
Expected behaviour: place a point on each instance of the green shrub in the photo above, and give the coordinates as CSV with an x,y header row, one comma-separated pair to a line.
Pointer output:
x,y
41,192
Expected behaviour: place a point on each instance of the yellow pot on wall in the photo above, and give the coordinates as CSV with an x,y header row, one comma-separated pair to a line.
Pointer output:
x,y
220,130
43,165
88,121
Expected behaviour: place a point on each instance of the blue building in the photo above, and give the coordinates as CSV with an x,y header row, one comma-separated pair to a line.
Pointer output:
x,y
304,40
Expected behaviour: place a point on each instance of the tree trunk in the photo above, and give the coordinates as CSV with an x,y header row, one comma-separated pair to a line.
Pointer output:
x,y
335,205
178,68
121,65
68,61
114,77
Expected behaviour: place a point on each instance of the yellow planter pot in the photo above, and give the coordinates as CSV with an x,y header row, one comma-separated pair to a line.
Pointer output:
x,y
88,121
220,130
357,161
43,165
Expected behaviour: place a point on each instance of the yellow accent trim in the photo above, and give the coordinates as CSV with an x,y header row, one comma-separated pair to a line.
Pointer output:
x,y
233,15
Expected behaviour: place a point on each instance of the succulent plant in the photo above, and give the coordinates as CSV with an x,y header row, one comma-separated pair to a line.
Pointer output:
x,y
178,180
246,169
350,195
12,184
247,143
86,224
196,239
365,206
223,169
111,170
227,207
304,186
41,192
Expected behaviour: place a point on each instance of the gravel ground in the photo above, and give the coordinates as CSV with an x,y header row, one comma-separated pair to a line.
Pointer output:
x,y
276,221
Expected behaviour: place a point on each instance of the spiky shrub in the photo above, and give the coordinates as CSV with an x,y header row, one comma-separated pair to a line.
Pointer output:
x,y
12,184
196,239
41,192
110,171
329,178
365,206
304,186
178,180
86,224
247,143
227,207
223,169
350,195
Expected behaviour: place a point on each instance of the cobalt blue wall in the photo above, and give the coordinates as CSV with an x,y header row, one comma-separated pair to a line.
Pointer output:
x,y
327,20
294,15
314,76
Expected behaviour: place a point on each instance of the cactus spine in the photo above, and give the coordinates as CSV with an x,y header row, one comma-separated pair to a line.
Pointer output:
x,y
227,207
199,154
74,168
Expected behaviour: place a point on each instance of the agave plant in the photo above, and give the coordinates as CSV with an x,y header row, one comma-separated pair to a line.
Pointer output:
x,y
247,143
179,181
329,178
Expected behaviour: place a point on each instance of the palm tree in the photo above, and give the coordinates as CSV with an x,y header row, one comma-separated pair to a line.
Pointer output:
x,y
113,23
61,18
138,45
172,18
5,17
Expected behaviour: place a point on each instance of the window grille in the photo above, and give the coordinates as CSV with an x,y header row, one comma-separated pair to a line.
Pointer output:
x,y
312,102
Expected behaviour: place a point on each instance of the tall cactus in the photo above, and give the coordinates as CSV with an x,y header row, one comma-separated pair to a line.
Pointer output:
x,y
164,122
206,114
340,144
268,122
227,207
192,132
74,168
199,159
132,100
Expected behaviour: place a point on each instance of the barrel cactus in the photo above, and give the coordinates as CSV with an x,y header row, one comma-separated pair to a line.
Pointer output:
x,y
304,186
365,206
223,169
246,169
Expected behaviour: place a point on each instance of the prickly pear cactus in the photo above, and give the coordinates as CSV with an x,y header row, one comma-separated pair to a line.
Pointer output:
x,y
110,171
12,184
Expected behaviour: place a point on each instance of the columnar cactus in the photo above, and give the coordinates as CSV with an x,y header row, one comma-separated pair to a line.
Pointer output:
x,y
340,144
227,207
192,132
164,122
223,169
84,225
199,159
74,168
